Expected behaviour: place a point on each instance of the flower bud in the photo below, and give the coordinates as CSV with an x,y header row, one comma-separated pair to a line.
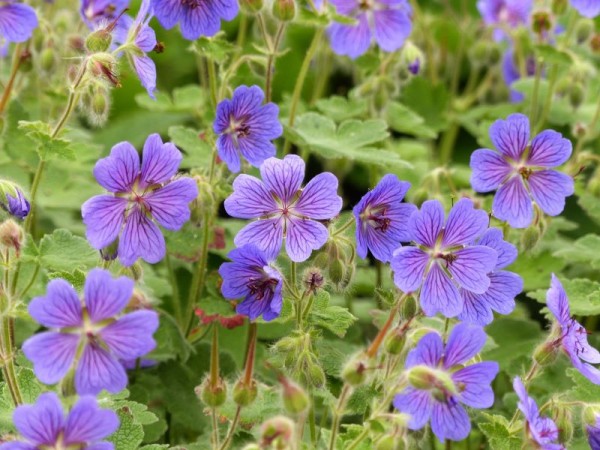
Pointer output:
x,y
530,238
104,66
563,86
355,372
277,432
12,236
47,59
251,6
110,252
12,200
590,414
576,95
210,395
316,376
559,6
395,341
336,271
284,10
348,277
409,307
584,29
545,354
424,377
412,58
541,22
295,400
313,279
99,106
321,260
484,53
99,41
244,394
563,417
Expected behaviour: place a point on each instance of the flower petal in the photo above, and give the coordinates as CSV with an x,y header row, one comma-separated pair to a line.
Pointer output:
x,y
507,252
42,422
464,224
439,294
471,267
103,216
351,40
169,205
250,199
449,420
558,302
303,236
319,199
105,296
52,354
425,225
266,234
392,28
283,176
17,22
549,189
418,404
513,204
409,264
428,351
464,342
489,168
159,161
549,149
228,150
98,370
511,136
476,391
199,21
87,422
141,239
146,72
118,171
168,12
130,337
59,308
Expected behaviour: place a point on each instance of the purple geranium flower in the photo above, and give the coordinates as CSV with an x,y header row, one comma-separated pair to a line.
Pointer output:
x,y
541,430
447,381
140,194
572,335
504,14
510,73
445,259
43,425
388,22
17,21
246,127
593,432
87,336
382,218
587,8
283,208
196,17
100,12
520,170
504,285
18,206
250,276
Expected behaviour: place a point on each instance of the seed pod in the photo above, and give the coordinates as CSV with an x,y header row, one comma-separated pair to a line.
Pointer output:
x,y
12,236
244,394
336,271
355,371
530,238
545,354
395,340
284,10
98,41
585,28
212,396
295,400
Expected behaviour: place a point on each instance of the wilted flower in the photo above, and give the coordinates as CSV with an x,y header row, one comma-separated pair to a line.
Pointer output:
x,y
541,430
520,170
441,381
43,425
196,18
283,208
504,285
388,22
17,22
382,219
573,336
246,128
140,196
89,336
251,277
503,14
587,8
445,259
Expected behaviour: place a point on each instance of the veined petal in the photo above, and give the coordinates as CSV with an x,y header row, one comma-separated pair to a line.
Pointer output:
x,y
303,236
98,370
464,224
88,423
549,189
103,216
425,225
557,301
130,337
169,205
105,296
428,351
507,252
439,294
159,161
351,40
504,287
319,199
42,422
511,136
476,379
167,12
256,149
60,307
471,267
464,342
199,21
266,234
418,404
283,176
549,149
392,28
141,239
409,264
146,71
250,199
17,22
475,310
513,204
228,150
118,171
489,168
449,420
52,354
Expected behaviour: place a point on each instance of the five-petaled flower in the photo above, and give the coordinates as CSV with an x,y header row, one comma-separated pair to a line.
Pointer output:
x,y
283,208
195,17
445,260
17,22
441,380
44,425
140,196
504,14
388,22
251,277
246,128
522,171
571,335
587,8
504,285
89,336
382,218
542,431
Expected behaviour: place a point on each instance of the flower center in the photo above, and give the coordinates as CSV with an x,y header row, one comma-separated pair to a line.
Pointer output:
x,y
192,4
375,218
262,288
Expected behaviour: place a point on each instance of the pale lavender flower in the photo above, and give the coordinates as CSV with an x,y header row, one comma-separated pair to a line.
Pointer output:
x,y
100,12
504,14
587,8
17,21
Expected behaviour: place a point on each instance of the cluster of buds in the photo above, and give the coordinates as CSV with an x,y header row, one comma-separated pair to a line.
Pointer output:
x,y
299,357
339,264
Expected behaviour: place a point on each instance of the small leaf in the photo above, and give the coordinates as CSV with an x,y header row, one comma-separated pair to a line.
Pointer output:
x,y
404,120
336,319
47,146
217,48
197,152
584,296
62,251
497,430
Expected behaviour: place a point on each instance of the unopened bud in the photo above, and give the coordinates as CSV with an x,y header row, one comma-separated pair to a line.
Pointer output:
x,y
563,86
313,279
541,22
251,6
530,238
563,417
295,400
277,433
99,106
576,95
355,372
336,271
321,260
409,307
98,41
47,59
585,28
545,354
485,54
104,65
412,58
244,394
11,235
395,341
284,10
212,395
76,42
316,375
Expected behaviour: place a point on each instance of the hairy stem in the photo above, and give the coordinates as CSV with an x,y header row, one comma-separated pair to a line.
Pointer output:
x,y
18,58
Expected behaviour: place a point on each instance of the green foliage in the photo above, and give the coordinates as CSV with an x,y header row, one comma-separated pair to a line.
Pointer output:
x,y
497,430
336,319
47,146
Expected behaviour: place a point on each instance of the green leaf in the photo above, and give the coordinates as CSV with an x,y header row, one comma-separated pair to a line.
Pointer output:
x,y
584,389
535,269
30,389
550,54
341,108
197,152
590,204
404,120
217,48
516,338
62,251
190,98
171,342
584,250
47,146
352,140
75,278
336,319
428,100
497,430
584,296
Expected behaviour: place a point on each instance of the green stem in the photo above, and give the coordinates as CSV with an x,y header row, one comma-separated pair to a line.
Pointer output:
x,y
310,53
337,415
231,432
215,424
343,228
212,80
271,62
311,422
536,91
175,297
548,103
448,141
358,439
31,281
16,63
